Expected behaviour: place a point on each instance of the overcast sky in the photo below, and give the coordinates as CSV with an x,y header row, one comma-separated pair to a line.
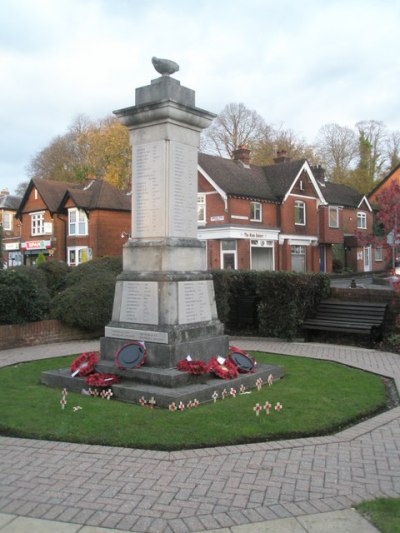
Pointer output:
x,y
302,64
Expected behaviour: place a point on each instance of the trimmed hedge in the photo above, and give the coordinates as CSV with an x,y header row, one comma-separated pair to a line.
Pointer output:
x,y
270,304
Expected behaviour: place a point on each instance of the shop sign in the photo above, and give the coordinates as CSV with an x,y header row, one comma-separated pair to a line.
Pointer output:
x,y
11,246
219,218
35,245
253,235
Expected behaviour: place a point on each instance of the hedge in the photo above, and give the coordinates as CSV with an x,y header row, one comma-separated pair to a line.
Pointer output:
x,y
270,304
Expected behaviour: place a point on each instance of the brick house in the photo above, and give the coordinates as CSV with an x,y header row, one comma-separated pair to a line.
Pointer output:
x,y
10,230
72,222
278,217
393,176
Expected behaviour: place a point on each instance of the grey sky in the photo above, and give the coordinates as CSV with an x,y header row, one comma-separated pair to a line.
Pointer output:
x,y
300,64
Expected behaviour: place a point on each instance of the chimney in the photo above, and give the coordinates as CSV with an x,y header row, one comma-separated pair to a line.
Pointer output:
x,y
242,154
319,173
281,157
4,192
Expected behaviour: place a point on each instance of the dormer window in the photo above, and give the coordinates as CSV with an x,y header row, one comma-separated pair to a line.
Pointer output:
x,y
300,213
77,222
255,212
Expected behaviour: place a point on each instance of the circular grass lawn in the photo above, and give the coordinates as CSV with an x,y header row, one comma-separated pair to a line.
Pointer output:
x,y
318,397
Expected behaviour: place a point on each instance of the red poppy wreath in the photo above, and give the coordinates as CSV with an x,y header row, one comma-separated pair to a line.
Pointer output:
x,y
101,380
84,364
226,370
192,367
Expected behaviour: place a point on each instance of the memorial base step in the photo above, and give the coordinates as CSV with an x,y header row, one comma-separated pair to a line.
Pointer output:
x,y
190,388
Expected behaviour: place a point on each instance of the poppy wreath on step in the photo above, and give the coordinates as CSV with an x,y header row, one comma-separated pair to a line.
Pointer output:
x,y
242,360
192,367
101,380
226,370
84,364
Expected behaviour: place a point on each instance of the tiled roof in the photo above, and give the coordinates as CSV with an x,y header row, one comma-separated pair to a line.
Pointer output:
x,y
10,202
100,195
265,183
337,194
52,192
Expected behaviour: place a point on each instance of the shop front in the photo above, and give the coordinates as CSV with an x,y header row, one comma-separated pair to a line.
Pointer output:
x,y
31,250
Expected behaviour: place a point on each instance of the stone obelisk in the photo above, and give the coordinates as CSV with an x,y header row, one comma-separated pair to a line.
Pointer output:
x,y
165,297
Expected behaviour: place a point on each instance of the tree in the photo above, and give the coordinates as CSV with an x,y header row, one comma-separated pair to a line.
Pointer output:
x,y
265,151
388,202
21,188
88,148
236,125
393,149
337,149
371,155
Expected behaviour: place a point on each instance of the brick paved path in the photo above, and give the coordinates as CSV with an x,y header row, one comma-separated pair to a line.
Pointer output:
x,y
209,488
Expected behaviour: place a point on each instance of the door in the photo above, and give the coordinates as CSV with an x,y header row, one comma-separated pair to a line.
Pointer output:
x,y
367,259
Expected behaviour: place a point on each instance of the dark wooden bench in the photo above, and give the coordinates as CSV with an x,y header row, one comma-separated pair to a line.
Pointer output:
x,y
361,318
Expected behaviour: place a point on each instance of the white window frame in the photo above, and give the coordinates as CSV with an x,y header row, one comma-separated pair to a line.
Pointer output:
x,y
379,255
201,208
80,219
255,211
298,207
332,210
7,221
226,249
77,250
37,223
361,220
299,250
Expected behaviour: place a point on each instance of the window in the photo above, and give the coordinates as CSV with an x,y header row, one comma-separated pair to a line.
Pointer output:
x,y
255,211
378,253
300,213
228,254
333,217
37,221
77,222
201,208
78,255
298,258
7,221
361,220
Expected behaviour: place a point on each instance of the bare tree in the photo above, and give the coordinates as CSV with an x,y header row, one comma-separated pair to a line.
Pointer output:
x,y
337,149
265,151
236,125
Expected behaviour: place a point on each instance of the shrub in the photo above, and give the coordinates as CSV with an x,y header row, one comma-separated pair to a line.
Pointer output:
x,y
88,303
100,265
23,296
40,259
55,273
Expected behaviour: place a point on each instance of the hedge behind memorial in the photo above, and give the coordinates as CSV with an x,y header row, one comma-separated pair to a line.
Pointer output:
x,y
270,304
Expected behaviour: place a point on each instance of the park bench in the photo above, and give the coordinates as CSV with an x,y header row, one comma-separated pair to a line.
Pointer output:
x,y
361,318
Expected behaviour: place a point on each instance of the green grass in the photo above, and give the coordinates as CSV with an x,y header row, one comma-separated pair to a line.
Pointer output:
x,y
318,397
383,513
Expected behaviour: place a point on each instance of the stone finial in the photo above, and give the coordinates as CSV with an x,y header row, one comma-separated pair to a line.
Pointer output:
x,y
165,67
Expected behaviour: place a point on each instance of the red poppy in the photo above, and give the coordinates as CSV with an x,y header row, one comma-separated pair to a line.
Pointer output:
x,y
84,364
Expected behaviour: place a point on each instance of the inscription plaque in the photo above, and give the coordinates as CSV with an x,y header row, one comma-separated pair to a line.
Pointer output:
x,y
182,190
194,302
139,303
148,190
159,337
